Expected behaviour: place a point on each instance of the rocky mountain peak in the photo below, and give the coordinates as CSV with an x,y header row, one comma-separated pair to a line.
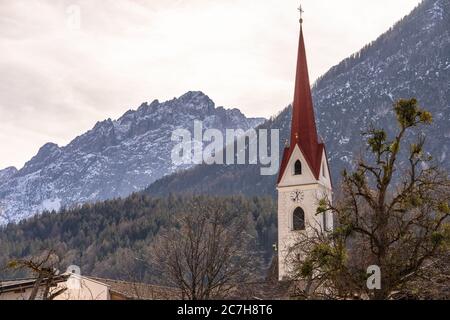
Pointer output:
x,y
196,98
46,154
7,173
114,158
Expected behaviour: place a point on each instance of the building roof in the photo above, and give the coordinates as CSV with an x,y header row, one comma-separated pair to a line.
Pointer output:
x,y
269,288
303,128
139,291
22,284
264,290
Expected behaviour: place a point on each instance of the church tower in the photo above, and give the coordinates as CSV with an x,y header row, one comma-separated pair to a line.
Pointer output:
x,y
304,176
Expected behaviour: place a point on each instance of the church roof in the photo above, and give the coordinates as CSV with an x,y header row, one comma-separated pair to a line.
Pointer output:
x,y
303,129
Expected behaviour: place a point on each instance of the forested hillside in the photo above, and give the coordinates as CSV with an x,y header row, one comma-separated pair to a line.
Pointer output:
x,y
109,239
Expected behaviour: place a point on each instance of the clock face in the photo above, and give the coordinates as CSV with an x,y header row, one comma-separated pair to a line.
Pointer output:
x,y
297,196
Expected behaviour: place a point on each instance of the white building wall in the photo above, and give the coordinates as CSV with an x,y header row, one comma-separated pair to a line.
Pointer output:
x,y
20,295
313,191
81,288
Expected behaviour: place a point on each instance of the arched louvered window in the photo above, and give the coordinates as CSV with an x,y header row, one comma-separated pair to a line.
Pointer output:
x,y
298,168
298,217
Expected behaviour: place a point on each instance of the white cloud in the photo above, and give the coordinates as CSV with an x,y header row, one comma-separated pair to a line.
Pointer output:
x,y
56,82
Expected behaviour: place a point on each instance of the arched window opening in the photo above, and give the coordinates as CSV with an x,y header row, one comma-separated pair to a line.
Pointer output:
x,y
298,220
298,168
323,170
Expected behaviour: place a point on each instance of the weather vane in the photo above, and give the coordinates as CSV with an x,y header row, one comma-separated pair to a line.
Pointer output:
x,y
300,9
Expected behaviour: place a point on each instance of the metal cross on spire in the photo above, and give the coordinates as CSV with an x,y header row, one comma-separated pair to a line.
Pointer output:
x,y
300,9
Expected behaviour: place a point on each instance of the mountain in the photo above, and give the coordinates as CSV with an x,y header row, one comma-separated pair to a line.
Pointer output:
x,y
116,158
412,59
113,159
7,173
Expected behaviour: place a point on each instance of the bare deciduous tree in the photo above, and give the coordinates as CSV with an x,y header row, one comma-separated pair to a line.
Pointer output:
x,y
207,253
45,269
402,227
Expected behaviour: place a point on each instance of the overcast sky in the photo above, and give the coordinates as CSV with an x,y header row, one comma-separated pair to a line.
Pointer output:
x,y
59,75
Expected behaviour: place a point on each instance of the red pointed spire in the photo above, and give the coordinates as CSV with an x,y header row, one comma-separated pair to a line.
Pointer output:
x,y
303,130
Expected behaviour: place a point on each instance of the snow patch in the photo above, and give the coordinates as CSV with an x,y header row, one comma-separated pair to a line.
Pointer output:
x,y
51,205
344,140
443,157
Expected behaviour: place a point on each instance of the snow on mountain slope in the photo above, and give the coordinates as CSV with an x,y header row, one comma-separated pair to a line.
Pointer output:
x,y
113,159
410,60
